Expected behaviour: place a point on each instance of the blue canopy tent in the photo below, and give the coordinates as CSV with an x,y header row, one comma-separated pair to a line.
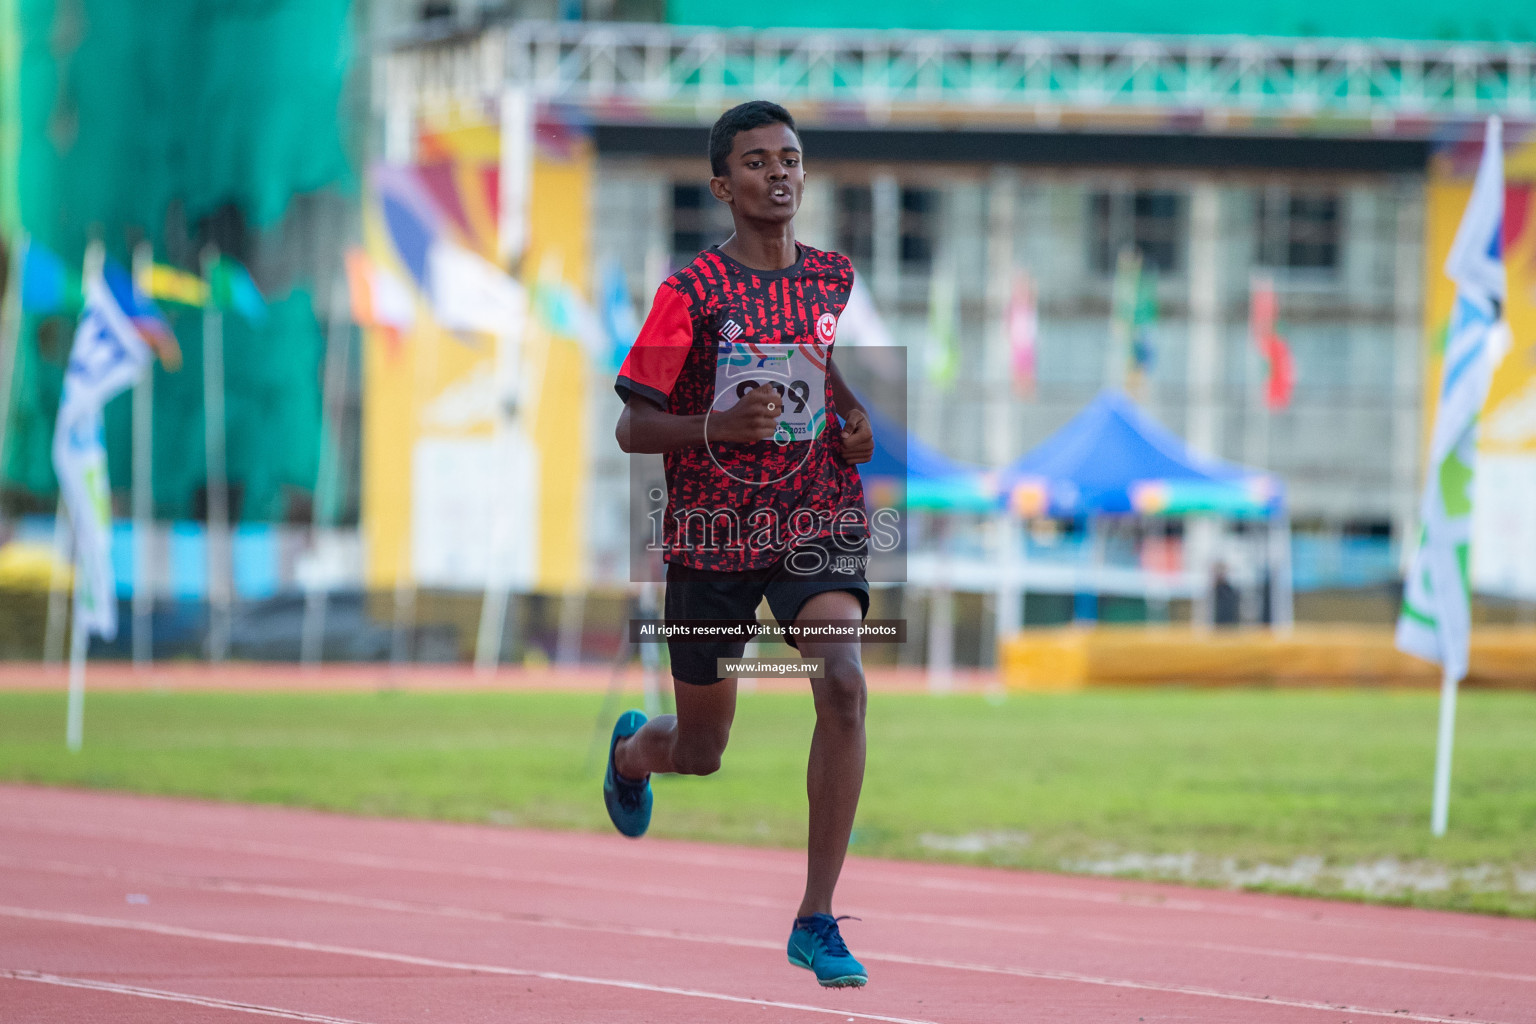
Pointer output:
x,y
905,469
1112,458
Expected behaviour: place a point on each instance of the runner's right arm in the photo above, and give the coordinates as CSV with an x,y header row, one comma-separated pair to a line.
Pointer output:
x,y
645,428
645,383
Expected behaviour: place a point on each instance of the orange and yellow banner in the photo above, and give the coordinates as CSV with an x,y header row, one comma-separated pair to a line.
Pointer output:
x,y
433,432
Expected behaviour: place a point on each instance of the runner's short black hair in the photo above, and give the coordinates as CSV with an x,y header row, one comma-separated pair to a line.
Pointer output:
x,y
742,118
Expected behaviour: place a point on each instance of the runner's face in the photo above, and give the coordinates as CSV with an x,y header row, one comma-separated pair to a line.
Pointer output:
x,y
764,180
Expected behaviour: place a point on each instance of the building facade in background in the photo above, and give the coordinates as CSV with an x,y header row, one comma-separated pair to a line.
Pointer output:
x,y
1315,152
1227,150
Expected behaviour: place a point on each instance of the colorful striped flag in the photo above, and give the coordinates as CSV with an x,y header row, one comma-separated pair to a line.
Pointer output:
x,y
47,284
941,359
144,315
1144,320
1133,315
618,314
231,288
158,281
1023,333
1263,318
379,299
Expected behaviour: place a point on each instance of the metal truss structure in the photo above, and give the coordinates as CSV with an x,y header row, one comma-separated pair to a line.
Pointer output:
x,y
646,73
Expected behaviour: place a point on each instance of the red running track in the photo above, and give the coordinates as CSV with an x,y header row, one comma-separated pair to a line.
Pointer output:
x,y
133,909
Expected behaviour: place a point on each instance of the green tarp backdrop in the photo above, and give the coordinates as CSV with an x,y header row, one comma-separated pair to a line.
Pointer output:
x,y
186,122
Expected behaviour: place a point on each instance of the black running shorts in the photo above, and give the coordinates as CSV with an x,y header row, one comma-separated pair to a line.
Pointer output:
x,y
695,594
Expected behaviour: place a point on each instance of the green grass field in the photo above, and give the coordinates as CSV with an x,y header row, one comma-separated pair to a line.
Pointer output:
x,y
1320,791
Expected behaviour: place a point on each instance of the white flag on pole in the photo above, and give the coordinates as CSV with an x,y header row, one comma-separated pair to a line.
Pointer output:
x,y
107,357
470,293
1436,619
860,323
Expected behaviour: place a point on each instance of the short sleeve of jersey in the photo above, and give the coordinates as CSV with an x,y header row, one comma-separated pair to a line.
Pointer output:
x,y
660,350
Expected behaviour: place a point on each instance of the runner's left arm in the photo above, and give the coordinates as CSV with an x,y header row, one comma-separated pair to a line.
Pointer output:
x,y
858,435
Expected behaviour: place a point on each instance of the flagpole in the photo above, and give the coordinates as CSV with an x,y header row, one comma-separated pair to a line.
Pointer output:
x,y
999,287
941,616
74,727
516,415
1122,313
424,366
1203,372
10,336
217,485
317,592
491,633
1258,453
493,604
1442,801
58,594
80,636
143,490
76,717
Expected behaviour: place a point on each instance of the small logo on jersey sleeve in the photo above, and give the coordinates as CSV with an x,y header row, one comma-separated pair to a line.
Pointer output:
x,y
730,330
826,328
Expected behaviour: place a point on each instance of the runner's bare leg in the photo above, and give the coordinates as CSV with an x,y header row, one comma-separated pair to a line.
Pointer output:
x,y
835,774
689,742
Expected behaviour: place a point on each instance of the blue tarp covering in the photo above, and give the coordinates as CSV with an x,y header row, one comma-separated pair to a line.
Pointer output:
x,y
1114,458
900,454
928,479
1110,458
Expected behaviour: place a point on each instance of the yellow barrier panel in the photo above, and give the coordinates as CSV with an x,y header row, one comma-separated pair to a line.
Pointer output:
x,y
1059,660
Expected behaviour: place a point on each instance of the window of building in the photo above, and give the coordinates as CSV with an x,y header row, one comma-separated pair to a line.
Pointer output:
x,y
1298,230
917,226
855,224
699,220
1152,222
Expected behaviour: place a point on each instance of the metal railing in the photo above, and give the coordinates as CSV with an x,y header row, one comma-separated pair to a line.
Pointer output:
x,y
660,73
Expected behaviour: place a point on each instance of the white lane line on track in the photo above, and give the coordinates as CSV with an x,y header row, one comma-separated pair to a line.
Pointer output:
x,y
324,896
350,858
1215,947
874,957
174,997
174,931
353,858
1188,990
541,842
871,873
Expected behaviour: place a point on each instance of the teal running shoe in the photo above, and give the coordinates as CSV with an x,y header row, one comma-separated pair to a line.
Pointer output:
x,y
629,803
816,945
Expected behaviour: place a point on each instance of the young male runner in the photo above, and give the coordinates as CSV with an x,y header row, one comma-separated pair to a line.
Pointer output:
x,y
731,378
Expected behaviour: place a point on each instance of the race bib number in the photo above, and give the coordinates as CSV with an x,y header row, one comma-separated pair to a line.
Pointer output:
x,y
798,373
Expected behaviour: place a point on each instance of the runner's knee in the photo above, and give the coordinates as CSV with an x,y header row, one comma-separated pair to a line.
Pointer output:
x,y
699,753
841,698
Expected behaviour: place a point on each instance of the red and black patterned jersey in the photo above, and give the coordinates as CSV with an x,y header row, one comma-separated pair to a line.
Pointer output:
x,y
716,330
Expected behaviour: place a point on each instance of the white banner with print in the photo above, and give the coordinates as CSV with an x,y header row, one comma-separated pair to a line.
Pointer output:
x,y
107,357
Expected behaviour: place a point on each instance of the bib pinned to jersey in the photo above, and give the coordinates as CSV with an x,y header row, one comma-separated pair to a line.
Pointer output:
x,y
796,374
